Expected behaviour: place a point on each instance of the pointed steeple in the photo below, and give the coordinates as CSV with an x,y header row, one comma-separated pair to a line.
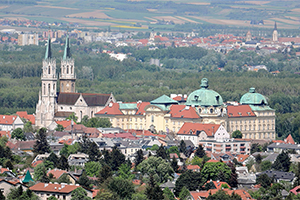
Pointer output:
x,y
275,26
67,52
48,53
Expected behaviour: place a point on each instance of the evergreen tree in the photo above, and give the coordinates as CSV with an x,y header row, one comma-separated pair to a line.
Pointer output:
x,y
282,162
63,163
233,182
297,176
138,158
184,193
104,174
168,194
117,159
153,191
161,152
174,164
41,145
84,181
53,158
200,152
191,180
44,178
182,147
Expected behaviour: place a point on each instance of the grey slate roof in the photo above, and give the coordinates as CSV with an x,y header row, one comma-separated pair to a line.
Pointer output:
x,y
284,146
272,157
279,175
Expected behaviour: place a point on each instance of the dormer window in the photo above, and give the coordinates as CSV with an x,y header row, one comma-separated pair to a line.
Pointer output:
x,y
240,114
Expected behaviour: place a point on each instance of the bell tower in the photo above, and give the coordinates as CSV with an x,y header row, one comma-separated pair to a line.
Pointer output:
x,y
67,76
275,33
47,96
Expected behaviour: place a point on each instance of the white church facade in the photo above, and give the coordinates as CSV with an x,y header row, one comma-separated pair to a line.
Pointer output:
x,y
55,106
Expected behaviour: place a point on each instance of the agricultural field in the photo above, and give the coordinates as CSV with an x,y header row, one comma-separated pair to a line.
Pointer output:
x,y
159,14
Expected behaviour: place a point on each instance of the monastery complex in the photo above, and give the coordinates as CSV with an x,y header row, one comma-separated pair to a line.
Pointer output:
x,y
252,115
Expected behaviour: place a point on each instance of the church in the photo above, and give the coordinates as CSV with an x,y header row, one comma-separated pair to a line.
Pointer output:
x,y
56,106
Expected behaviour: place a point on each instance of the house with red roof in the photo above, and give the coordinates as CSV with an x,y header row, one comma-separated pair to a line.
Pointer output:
x,y
80,130
201,195
25,115
218,184
194,168
197,131
7,185
10,122
60,191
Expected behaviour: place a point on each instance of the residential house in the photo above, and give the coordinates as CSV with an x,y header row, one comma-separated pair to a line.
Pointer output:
x,y
25,115
78,159
60,191
202,195
245,179
194,168
57,173
6,185
279,147
278,175
10,122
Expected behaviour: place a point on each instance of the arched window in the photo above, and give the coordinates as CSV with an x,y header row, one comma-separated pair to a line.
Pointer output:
x,y
80,115
152,119
54,87
92,114
68,69
49,68
62,87
71,69
49,89
72,90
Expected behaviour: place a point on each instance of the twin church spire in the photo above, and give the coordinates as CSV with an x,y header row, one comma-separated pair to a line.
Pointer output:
x,y
67,76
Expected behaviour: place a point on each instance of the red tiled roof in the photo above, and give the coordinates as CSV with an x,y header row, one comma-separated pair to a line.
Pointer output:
x,y
182,111
56,172
188,127
172,155
143,41
7,119
242,193
68,142
209,161
23,114
119,135
64,123
218,184
179,98
5,133
192,167
95,192
289,39
92,132
141,108
34,164
295,190
242,157
110,110
290,139
2,170
240,111
49,187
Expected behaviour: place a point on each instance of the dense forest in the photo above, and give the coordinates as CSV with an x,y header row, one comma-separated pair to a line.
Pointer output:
x,y
134,79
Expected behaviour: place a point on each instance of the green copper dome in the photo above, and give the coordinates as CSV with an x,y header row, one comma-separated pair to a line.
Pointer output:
x,y
253,98
204,96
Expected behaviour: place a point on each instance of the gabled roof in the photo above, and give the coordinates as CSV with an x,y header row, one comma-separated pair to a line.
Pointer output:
x,y
64,123
182,111
112,109
23,114
141,107
218,184
55,188
240,111
192,167
164,99
189,128
289,139
90,99
7,119
241,157
56,172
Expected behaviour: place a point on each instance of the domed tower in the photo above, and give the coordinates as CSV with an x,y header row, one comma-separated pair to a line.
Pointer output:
x,y
253,98
263,125
207,102
248,36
